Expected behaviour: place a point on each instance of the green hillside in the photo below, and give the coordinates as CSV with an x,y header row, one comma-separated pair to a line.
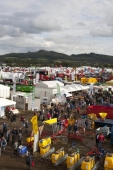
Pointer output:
x,y
48,58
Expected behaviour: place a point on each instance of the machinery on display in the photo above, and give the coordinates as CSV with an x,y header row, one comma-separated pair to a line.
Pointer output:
x,y
105,108
89,164
58,157
108,163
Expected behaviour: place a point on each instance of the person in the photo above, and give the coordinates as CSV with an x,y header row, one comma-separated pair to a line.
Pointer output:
x,y
15,132
4,128
13,138
22,120
34,113
48,116
29,160
11,118
20,138
101,139
78,110
69,128
84,130
3,144
75,128
26,126
20,131
87,123
65,115
15,147
8,135
96,137
1,133
14,118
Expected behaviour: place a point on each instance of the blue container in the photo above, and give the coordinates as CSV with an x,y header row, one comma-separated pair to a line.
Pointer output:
x,y
22,150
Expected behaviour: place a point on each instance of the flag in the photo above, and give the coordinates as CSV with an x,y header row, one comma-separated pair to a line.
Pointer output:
x,y
33,93
34,124
58,89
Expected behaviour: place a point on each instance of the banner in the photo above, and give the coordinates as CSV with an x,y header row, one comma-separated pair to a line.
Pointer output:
x,y
37,77
33,93
58,89
34,124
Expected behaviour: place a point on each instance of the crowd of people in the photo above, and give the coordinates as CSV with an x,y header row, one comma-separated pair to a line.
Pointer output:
x,y
73,109
14,135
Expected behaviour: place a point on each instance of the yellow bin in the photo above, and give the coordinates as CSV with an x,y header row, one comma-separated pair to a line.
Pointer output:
x,y
108,163
44,150
56,156
30,139
44,142
87,164
71,160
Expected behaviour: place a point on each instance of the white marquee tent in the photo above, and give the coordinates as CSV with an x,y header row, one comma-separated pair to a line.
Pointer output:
x,y
70,88
3,103
4,91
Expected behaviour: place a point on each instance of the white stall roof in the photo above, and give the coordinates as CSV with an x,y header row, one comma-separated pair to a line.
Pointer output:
x,y
3,87
6,102
50,84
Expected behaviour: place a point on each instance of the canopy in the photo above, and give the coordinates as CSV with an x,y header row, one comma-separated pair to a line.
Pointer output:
x,y
51,121
66,93
70,88
6,102
76,86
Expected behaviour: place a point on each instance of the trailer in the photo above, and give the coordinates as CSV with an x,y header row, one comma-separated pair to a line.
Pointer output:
x,y
96,109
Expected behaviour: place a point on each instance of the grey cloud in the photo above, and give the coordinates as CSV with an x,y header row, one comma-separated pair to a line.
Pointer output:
x,y
67,39
102,32
29,23
81,24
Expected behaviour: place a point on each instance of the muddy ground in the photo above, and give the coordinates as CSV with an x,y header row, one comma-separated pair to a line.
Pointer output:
x,y
10,162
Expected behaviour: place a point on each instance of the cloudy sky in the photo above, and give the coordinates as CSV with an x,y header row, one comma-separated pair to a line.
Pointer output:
x,y
66,26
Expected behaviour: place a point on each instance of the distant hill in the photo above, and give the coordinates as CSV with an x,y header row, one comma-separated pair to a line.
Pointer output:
x,y
47,58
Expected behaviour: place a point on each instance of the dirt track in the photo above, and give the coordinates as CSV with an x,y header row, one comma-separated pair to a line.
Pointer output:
x,y
10,162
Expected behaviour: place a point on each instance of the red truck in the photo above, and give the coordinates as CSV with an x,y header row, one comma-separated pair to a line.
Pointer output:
x,y
96,109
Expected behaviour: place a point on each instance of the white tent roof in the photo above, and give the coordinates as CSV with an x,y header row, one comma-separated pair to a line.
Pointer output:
x,y
50,84
4,87
70,88
66,93
76,86
61,89
6,102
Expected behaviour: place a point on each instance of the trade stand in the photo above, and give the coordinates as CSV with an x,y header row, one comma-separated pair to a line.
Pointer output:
x,y
3,104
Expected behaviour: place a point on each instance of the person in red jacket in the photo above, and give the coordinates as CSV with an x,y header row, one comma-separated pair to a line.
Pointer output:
x,y
48,115
22,120
101,139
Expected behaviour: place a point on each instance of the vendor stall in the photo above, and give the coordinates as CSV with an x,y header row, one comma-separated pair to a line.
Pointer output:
x,y
3,104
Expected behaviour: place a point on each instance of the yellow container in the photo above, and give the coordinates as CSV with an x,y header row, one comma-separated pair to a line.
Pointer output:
x,y
71,160
30,139
108,163
56,156
71,121
44,150
87,164
44,142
